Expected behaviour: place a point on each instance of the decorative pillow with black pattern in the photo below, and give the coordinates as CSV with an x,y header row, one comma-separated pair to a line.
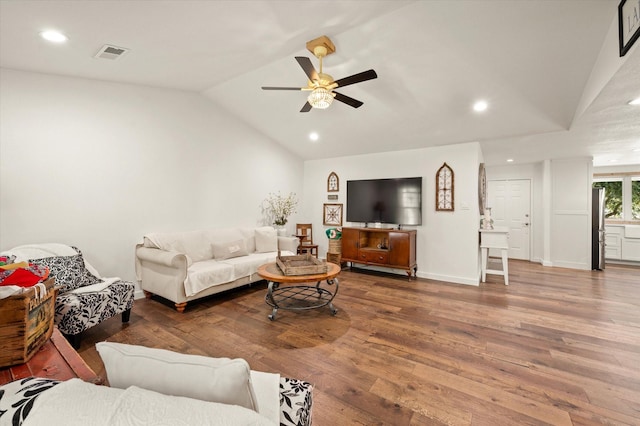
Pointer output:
x,y
17,398
69,271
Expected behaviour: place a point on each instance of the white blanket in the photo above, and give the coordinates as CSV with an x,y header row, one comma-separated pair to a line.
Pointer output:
x,y
75,402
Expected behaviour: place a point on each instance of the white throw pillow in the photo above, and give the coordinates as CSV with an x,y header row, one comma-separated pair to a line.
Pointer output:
x,y
228,250
249,235
223,380
266,239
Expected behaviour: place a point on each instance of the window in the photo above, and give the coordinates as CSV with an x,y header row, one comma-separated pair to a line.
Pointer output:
x,y
635,198
612,197
622,195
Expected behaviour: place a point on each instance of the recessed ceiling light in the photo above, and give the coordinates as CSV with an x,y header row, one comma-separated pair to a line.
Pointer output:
x,y
635,101
313,136
613,160
480,106
509,160
54,36
636,150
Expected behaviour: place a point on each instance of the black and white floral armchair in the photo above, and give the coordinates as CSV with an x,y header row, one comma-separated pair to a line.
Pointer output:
x,y
84,299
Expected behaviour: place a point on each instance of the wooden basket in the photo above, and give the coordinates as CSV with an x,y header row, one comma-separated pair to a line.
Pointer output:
x,y
305,264
26,323
334,258
335,246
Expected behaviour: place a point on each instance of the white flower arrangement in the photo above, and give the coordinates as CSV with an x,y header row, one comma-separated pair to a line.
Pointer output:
x,y
280,207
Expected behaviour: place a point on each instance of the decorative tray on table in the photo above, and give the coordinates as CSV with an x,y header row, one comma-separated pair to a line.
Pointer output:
x,y
305,264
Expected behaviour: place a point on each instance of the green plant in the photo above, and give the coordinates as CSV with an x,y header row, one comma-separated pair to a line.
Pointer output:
x,y
612,198
280,207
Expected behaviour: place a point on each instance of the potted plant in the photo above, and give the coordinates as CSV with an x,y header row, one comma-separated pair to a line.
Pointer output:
x,y
279,207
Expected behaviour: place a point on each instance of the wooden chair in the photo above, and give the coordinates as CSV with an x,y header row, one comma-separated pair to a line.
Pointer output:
x,y
304,231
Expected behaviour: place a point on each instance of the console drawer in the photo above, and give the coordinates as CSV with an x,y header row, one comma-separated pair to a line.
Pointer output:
x,y
374,256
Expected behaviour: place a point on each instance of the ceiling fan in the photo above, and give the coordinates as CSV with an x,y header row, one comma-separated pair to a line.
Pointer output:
x,y
322,85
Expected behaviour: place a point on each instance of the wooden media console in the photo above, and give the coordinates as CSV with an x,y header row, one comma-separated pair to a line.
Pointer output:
x,y
386,247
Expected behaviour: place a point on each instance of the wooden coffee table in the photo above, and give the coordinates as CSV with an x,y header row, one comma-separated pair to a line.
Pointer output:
x,y
56,359
301,296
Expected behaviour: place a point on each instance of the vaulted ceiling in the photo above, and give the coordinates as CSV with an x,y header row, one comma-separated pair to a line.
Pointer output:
x,y
550,70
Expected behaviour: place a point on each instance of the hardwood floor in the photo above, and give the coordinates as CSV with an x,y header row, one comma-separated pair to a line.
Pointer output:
x,y
556,346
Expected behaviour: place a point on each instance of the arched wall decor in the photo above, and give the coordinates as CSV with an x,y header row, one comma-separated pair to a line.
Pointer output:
x,y
444,188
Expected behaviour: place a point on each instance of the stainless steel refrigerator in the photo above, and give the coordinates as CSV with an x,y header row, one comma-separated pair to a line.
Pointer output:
x,y
597,229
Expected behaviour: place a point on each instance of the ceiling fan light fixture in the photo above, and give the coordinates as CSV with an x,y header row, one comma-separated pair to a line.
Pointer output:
x,y
320,98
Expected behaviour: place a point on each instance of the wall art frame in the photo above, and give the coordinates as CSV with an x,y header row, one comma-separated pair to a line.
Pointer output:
x,y
332,214
445,189
333,182
628,24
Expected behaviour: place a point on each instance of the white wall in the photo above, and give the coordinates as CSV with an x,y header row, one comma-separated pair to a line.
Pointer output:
x,y
447,242
571,212
97,165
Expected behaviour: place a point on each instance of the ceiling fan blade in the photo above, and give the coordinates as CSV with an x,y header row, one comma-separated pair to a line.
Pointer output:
x,y
357,78
306,108
347,100
308,68
283,88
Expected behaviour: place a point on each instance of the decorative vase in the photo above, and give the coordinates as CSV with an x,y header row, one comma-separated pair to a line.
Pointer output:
x,y
282,230
487,222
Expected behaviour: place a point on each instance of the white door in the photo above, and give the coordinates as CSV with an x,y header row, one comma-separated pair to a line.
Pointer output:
x,y
510,202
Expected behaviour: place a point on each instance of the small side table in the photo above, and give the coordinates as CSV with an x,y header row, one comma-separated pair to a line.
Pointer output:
x,y
56,359
496,238
299,297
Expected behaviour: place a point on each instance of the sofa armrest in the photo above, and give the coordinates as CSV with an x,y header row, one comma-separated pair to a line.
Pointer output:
x,y
163,257
288,243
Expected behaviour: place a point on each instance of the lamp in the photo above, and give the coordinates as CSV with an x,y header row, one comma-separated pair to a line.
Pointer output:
x,y
320,98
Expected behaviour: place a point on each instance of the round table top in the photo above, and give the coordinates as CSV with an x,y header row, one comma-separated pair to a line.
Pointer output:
x,y
271,272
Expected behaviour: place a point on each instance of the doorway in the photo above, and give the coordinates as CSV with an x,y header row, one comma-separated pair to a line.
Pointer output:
x,y
510,202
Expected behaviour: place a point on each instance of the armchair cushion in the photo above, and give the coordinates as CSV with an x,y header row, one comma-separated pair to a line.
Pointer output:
x,y
76,312
69,271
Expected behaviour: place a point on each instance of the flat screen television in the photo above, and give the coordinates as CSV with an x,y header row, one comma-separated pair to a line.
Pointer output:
x,y
395,201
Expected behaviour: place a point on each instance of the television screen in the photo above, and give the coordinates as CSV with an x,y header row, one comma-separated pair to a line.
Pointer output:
x,y
396,201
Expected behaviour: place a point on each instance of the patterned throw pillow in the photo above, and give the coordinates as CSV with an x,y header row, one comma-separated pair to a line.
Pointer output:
x,y
17,398
69,271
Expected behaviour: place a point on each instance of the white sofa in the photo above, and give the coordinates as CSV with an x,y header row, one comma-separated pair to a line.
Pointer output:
x,y
185,266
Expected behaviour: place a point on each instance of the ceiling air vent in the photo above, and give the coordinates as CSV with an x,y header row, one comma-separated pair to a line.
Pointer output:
x,y
110,52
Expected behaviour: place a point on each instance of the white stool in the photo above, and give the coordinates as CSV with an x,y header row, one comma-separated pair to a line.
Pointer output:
x,y
497,238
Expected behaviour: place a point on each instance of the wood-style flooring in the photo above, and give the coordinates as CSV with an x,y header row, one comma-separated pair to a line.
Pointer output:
x,y
557,346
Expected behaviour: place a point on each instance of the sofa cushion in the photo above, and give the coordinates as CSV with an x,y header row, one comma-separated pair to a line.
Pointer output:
x,y
223,380
229,249
248,265
249,235
205,274
195,244
266,239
